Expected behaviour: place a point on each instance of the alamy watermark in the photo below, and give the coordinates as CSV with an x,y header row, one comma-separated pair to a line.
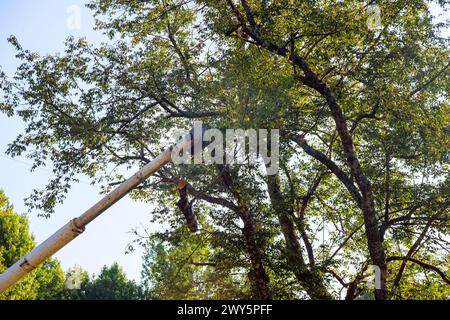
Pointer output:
x,y
374,17
73,21
230,146
374,279
74,278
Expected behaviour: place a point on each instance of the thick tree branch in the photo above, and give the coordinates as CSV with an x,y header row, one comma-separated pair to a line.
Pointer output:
x,y
412,250
424,265
371,115
332,166
430,81
311,80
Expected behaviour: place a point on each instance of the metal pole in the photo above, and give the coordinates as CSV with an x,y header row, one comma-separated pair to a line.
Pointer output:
x,y
76,226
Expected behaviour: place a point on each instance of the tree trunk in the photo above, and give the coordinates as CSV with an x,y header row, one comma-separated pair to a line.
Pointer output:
x,y
257,276
310,280
310,79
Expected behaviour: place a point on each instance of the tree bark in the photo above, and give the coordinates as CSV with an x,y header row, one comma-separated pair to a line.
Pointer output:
x,y
257,275
311,80
374,242
310,280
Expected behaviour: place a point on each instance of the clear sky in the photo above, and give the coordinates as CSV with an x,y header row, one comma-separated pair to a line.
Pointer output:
x,y
42,26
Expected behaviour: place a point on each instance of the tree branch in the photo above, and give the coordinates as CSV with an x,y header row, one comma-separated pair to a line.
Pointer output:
x,y
423,265
332,166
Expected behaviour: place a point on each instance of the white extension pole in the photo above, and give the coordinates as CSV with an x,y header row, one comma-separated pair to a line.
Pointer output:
x,y
76,226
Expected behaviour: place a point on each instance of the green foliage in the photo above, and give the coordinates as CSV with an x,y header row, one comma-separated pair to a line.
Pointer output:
x,y
104,110
51,280
44,283
110,284
185,266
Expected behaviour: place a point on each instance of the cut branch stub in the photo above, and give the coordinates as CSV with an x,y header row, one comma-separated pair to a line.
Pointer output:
x,y
186,207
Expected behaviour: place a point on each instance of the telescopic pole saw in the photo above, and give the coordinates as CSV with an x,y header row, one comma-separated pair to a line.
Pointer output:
x,y
76,226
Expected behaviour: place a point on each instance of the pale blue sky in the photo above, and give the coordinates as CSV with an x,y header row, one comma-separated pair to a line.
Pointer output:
x,y
41,26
